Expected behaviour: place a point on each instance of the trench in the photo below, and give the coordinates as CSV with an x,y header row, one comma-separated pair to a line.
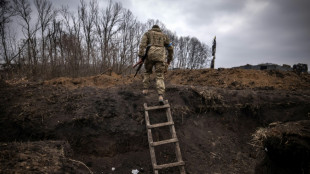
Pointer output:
x,y
106,128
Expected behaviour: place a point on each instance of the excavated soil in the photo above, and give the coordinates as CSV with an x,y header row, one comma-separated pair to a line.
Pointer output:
x,y
97,123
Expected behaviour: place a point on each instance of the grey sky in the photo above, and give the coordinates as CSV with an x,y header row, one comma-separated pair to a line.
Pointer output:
x,y
247,31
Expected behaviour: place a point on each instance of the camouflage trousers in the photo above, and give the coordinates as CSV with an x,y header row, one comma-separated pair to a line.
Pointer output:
x,y
159,70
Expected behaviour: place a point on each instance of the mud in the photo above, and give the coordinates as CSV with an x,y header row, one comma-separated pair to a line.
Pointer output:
x,y
102,126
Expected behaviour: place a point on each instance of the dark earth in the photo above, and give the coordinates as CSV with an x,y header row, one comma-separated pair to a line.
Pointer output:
x,y
83,126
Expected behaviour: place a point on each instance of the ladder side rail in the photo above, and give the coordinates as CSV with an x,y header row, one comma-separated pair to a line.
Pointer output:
x,y
150,140
177,145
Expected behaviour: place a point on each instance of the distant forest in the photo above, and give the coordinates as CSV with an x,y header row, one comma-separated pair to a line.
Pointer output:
x,y
47,42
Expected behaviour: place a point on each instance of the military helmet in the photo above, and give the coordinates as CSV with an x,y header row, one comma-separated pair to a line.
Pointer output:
x,y
155,26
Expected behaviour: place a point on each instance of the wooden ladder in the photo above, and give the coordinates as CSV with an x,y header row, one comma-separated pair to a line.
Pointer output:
x,y
174,138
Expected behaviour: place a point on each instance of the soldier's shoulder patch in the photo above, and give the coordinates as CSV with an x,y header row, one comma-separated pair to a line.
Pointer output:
x,y
169,45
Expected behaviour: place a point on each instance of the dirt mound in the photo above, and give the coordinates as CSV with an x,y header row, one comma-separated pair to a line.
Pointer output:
x,y
241,79
38,157
100,81
286,146
221,78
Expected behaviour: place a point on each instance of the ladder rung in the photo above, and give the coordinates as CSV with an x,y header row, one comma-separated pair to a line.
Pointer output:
x,y
160,125
162,166
157,107
157,143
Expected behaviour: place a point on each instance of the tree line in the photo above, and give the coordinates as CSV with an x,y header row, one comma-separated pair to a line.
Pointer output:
x,y
45,42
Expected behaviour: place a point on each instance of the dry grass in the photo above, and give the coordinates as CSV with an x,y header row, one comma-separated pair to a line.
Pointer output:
x,y
99,81
258,138
279,130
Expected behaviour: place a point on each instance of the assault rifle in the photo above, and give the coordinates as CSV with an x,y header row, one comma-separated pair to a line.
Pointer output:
x,y
141,61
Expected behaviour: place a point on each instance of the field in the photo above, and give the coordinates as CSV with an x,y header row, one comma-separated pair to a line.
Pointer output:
x,y
94,124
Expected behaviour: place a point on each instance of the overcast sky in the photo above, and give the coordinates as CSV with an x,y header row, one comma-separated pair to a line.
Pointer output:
x,y
247,31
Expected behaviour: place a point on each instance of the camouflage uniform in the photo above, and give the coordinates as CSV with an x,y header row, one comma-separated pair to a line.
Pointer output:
x,y
159,42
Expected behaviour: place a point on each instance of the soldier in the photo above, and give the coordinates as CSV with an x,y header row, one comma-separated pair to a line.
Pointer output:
x,y
158,43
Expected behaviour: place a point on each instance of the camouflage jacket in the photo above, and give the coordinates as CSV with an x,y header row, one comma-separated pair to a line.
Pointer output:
x,y
159,43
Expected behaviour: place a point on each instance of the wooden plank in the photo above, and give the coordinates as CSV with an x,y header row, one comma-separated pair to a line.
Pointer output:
x,y
178,152
152,150
177,145
162,166
172,128
150,139
160,125
156,107
157,143
182,170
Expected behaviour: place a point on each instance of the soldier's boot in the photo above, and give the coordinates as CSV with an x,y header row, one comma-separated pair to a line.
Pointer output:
x,y
145,91
161,99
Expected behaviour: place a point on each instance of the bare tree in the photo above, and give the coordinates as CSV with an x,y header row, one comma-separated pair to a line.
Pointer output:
x,y
53,40
71,43
183,53
45,17
127,41
87,16
107,27
23,10
6,14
